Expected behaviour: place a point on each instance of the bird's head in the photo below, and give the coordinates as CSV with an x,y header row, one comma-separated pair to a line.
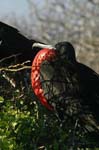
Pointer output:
x,y
65,49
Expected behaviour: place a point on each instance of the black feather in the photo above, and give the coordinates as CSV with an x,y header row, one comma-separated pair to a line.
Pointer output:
x,y
71,87
12,42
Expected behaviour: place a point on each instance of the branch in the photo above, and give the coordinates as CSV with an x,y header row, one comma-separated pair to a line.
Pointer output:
x,y
17,67
9,57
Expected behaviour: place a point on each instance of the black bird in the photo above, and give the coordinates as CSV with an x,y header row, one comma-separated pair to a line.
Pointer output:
x,y
69,86
63,85
12,42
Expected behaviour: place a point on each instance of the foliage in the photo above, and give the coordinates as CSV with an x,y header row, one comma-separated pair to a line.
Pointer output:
x,y
26,124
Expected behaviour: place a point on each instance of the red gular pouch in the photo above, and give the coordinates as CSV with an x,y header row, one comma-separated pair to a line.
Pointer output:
x,y
43,58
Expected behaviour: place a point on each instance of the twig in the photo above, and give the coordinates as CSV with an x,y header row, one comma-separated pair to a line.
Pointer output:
x,y
17,67
9,57
9,80
15,70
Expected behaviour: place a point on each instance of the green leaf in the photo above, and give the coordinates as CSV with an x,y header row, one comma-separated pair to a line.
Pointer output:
x,y
1,99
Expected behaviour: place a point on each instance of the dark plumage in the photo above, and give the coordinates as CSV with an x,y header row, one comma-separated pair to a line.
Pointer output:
x,y
85,85
71,87
12,42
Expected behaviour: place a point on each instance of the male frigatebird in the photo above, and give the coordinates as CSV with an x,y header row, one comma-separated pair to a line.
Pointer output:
x,y
65,86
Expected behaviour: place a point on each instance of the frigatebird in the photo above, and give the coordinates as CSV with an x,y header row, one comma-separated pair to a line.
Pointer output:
x,y
65,86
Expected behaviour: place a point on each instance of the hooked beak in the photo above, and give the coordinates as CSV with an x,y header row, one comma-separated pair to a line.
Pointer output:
x,y
40,45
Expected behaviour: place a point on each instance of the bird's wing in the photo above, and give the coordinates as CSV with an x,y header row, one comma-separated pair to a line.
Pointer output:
x,y
12,42
89,81
89,77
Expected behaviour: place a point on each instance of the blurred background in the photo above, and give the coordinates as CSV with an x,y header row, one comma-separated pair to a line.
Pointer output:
x,y
53,21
